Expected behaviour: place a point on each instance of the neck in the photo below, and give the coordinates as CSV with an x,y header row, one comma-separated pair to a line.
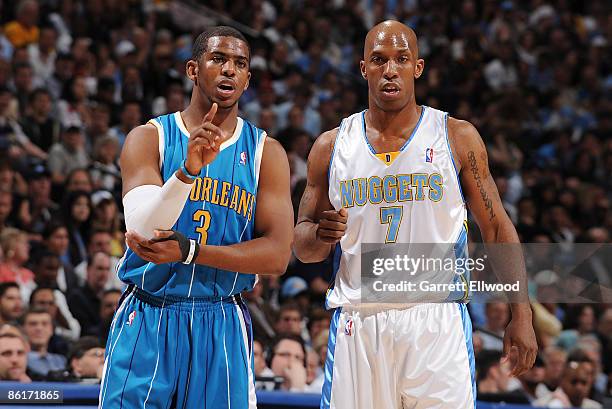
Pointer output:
x,y
40,117
41,349
393,122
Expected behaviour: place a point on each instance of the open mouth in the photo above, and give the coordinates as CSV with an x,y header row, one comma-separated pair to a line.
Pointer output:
x,y
390,89
226,89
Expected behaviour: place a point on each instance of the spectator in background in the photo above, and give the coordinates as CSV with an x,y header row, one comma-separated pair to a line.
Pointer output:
x,y
77,216
318,321
42,54
13,358
555,360
108,306
23,85
314,380
66,328
99,241
85,302
104,171
11,304
42,128
86,359
67,155
46,266
14,143
497,317
6,206
16,250
23,30
57,241
63,72
38,327
574,389
131,117
106,218
40,207
289,361
73,109
262,315
260,368
290,320
79,180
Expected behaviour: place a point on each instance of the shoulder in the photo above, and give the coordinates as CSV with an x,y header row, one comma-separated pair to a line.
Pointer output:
x,y
459,128
326,141
464,137
143,136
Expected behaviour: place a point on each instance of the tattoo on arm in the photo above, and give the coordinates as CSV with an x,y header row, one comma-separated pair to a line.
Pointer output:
x,y
480,184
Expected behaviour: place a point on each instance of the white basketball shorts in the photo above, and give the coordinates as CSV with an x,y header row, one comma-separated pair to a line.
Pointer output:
x,y
420,357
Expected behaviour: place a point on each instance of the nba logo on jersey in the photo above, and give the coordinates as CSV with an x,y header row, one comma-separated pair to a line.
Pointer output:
x,y
131,317
243,158
429,152
348,328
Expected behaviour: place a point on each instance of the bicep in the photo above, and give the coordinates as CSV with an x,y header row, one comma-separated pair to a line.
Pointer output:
x,y
274,212
140,158
315,199
478,185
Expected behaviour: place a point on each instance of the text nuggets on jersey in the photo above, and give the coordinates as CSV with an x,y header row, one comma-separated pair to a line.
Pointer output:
x,y
391,189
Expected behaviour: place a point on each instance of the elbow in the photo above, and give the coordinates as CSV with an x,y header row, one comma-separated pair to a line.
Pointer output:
x,y
278,266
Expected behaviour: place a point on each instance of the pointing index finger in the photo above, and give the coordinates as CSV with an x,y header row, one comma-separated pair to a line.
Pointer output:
x,y
210,115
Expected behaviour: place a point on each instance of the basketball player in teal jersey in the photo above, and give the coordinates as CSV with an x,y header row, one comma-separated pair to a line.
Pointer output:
x,y
207,206
397,173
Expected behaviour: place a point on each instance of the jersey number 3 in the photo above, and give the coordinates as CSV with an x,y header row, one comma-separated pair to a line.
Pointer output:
x,y
203,217
393,217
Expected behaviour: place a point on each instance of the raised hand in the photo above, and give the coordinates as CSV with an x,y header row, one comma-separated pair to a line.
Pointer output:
x,y
204,143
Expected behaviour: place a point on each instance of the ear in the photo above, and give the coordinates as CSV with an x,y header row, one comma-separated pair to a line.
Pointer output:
x,y
191,70
363,70
246,84
419,68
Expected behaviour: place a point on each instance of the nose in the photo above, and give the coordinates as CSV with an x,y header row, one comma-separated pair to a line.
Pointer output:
x,y
229,68
390,70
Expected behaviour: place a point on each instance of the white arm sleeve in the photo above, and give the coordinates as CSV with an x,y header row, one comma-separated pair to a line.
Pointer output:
x,y
150,207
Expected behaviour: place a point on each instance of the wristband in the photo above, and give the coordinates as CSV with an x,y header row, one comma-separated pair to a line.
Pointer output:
x,y
189,247
186,172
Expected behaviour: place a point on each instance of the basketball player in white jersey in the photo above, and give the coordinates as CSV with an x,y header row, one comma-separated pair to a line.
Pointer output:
x,y
397,173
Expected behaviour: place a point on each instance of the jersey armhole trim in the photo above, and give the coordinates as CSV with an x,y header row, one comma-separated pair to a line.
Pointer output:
x,y
331,157
259,155
452,157
161,140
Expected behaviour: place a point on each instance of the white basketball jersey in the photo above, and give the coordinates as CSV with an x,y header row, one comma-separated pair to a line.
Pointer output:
x,y
409,196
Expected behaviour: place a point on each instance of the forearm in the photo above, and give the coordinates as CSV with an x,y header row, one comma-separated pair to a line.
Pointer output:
x,y
151,207
506,255
307,248
263,255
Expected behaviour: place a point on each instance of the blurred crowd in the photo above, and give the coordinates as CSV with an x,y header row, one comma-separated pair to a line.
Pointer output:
x,y
76,76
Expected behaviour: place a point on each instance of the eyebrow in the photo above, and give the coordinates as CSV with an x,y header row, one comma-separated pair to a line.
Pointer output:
x,y
236,56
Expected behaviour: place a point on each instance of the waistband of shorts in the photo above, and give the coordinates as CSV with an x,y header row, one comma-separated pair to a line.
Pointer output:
x,y
185,303
375,307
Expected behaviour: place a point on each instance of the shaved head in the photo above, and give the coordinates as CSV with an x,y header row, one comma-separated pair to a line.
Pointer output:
x,y
391,64
392,32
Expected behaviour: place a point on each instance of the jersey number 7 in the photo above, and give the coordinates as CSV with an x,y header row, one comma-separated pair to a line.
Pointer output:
x,y
393,217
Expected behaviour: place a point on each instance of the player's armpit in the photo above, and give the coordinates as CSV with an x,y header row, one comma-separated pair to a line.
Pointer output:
x,y
270,252
139,159
315,201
